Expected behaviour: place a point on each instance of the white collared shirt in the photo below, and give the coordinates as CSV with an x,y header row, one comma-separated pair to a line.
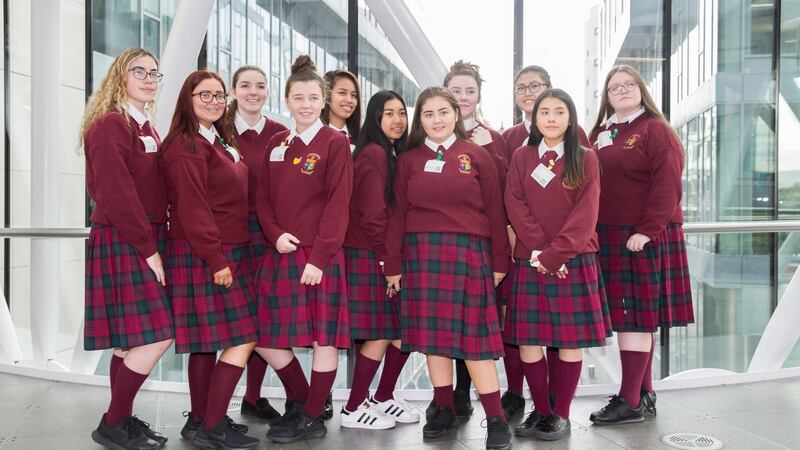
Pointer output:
x,y
137,115
614,119
559,149
308,135
446,144
209,133
470,123
242,126
527,124
342,130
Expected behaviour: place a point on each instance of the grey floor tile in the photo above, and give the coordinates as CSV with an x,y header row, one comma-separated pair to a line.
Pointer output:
x,y
722,400
780,426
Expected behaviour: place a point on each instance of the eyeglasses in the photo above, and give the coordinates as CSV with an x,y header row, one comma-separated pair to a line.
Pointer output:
x,y
140,74
627,86
208,96
532,88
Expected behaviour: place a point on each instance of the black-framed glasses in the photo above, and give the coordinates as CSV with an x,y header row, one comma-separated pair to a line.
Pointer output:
x,y
140,74
532,88
627,86
208,96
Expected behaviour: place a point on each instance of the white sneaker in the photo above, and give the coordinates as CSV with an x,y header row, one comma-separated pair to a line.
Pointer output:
x,y
397,409
367,418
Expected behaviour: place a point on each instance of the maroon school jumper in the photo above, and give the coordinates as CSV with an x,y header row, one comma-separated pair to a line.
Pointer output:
x,y
559,220
253,146
518,135
498,151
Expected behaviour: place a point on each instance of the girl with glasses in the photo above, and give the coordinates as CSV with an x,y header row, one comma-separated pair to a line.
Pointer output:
x,y
642,246
127,307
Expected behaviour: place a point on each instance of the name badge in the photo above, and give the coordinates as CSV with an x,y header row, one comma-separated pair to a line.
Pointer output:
x,y
542,175
434,166
149,144
604,139
277,153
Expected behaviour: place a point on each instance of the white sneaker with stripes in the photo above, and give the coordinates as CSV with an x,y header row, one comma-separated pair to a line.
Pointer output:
x,y
367,418
397,409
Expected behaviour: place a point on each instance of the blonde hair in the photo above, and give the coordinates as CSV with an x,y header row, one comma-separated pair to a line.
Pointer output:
x,y
110,94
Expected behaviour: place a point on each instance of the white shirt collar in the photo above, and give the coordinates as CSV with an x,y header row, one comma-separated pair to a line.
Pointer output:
x,y
614,119
446,144
343,129
308,135
137,115
527,124
470,123
209,133
242,126
559,149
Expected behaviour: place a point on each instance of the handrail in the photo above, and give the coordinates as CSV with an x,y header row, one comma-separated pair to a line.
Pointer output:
x,y
760,226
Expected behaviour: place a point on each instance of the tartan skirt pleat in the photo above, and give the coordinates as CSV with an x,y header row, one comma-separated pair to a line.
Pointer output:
x,y
209,317
291,314
565,313
448,301
650,288
125,305
373,315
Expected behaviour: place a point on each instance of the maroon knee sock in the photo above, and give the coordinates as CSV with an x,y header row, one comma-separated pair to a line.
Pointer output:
x,y
201,366
224,380
491,405
294,381
647,378
633,365
552,371
444,396
513,366
536,374
320,387
113,367
256,369
393,363
569,374
126,386
363,373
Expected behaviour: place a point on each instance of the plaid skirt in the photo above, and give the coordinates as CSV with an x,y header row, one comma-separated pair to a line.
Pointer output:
x,y
258,245
291,314
504,290
372,314
209,317
646,289
125,306
564,313
447,301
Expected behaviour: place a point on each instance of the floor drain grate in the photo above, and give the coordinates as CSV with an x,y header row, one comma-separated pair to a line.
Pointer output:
x,y
687,441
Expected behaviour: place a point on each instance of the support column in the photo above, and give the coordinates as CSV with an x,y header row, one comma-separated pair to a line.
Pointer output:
x,y
45,172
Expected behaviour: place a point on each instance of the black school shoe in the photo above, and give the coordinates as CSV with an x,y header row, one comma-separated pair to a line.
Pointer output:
x,y
527,427
292,409
261,409
648,400
430,411
190,428
151,433
225,435
498,436
327,410
513,404
552,428
462,405
616,412
128,434
443,419
300,428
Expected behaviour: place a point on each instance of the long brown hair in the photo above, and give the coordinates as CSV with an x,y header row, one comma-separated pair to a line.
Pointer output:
x,y
184,120
573,152
233,106
417,135
354,121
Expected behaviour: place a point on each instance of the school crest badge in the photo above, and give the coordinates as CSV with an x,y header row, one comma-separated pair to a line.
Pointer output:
x,y
631,141
464,164
309,164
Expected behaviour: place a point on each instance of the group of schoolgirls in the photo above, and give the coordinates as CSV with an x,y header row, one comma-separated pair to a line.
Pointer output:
x,y
449,239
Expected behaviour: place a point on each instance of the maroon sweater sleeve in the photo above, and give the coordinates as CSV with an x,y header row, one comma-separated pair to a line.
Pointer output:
x,y
335,216
109,140
666,165
396,227
579,226
495,212
525,225
371,201
264,209
188,173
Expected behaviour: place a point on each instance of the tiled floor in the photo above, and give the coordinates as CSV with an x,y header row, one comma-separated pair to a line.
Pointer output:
x,y
37,414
